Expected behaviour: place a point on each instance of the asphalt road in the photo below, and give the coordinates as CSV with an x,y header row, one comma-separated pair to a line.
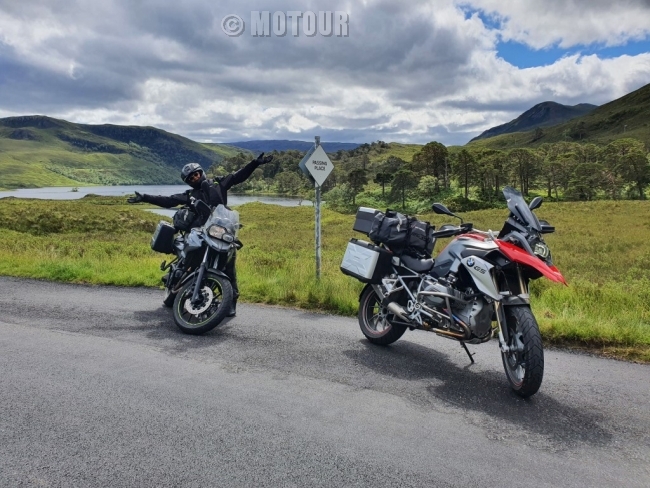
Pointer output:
x,y
99,388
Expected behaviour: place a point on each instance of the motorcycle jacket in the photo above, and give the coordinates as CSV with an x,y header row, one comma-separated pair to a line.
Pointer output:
x,y
212,192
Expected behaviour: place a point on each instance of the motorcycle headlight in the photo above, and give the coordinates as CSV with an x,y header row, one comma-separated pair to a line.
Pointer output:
x,y
217,231
541,250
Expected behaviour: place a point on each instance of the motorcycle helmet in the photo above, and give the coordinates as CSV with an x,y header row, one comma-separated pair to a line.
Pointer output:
x,y
193,175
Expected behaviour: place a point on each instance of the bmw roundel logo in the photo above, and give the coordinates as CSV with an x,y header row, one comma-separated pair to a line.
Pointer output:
x,y
470,262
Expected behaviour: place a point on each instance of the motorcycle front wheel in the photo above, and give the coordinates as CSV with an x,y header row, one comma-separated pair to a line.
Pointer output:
x,y
524,363
374,320
215,302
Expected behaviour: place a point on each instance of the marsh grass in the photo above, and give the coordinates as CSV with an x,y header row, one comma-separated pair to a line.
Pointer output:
x,y
602,248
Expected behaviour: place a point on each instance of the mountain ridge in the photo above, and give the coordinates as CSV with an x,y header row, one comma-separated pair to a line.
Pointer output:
x,y
270,145
626,116
37,150
544,114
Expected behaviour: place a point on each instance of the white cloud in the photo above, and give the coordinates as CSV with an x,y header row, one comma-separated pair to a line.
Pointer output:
x,y
546,23
407,72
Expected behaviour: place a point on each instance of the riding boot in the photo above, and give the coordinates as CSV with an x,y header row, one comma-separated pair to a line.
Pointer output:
x,y
233,308
232,274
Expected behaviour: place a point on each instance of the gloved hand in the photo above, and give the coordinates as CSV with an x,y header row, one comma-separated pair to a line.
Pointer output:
x,y
137,198
261,159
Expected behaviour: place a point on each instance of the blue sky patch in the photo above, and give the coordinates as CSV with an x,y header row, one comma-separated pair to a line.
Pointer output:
x,y
523,56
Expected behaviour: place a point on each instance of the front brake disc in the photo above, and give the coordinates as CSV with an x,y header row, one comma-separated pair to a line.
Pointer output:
x,y
206,300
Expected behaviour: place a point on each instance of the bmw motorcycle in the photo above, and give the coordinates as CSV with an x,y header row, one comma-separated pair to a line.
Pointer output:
x,y
196,285
478,279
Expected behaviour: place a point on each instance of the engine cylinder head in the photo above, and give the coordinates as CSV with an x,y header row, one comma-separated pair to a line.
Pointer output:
x,y
435,295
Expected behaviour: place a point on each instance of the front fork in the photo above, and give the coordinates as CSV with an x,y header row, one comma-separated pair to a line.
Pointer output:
x,y
504,335
199,277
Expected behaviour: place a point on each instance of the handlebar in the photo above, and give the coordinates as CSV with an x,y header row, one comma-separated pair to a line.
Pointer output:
x,y
200,206
452,230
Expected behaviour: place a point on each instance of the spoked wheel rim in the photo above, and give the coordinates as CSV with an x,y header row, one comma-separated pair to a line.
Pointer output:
x,y
376,317
514,359
516,368
524,360
197,315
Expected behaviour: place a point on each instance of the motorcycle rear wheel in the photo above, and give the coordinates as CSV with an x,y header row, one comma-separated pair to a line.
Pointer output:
x,y
168,298
216,300
374,321
524,369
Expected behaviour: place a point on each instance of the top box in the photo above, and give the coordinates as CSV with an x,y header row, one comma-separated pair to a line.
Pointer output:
x,y
363,221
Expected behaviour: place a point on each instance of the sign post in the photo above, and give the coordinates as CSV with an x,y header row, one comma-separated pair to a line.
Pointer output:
x,y
317,223
317,166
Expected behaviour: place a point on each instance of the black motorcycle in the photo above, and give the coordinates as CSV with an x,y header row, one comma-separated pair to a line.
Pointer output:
x,y
196,284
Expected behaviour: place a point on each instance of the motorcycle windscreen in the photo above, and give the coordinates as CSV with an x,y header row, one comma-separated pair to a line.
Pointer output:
x,y
517,205
224,217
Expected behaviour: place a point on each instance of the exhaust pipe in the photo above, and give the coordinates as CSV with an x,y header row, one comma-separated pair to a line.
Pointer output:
x,y
396,309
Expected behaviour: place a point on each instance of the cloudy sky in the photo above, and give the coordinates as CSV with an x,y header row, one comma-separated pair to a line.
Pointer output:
x,y
412,71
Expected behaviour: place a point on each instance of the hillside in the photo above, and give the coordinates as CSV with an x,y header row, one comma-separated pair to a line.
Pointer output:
x,y
628,116
284,145
543,114
43,151
226,150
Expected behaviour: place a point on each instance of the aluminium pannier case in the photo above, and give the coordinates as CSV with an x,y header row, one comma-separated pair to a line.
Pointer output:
x,y
364,219
163,238
366,262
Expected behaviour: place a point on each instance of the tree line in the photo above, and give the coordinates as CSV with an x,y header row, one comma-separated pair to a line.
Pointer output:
x,y
465,178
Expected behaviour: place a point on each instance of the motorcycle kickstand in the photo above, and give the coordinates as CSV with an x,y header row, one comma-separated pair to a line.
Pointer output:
x,y
467,351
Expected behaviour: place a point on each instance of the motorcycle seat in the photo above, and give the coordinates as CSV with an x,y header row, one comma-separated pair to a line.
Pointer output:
x,y
417,265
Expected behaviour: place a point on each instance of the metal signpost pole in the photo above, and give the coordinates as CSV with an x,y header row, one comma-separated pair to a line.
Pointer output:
x,y
316,165
317,188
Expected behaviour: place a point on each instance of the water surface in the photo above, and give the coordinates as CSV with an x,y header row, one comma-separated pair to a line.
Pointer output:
x,y
66,193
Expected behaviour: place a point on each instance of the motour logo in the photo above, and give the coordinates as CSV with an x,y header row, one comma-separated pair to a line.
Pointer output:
x,y
293,22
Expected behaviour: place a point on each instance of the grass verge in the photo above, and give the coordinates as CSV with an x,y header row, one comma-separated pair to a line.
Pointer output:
x,y
601,247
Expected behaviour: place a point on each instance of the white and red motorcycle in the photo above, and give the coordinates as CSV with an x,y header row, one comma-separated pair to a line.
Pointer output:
x,y
478,279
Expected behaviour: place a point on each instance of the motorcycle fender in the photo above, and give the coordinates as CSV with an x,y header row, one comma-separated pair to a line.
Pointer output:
x,y
481,272
516,300
518,255
193,275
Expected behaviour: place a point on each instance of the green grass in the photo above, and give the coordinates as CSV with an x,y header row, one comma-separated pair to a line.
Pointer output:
x,y
402,151
601,248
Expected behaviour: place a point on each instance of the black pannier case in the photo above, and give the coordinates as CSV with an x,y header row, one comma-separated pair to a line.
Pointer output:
x,y
163,238
366,262
364,218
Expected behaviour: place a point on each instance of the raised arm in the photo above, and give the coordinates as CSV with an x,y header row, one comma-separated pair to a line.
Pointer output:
x,y
243,174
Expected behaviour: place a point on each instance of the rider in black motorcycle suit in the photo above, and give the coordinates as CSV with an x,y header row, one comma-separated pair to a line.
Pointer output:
x,y
212,192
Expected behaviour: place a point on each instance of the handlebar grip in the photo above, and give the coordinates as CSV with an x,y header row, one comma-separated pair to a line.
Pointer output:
x,y
446,232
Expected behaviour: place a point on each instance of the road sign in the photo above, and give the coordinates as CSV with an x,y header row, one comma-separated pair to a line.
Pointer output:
x,y
317,164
